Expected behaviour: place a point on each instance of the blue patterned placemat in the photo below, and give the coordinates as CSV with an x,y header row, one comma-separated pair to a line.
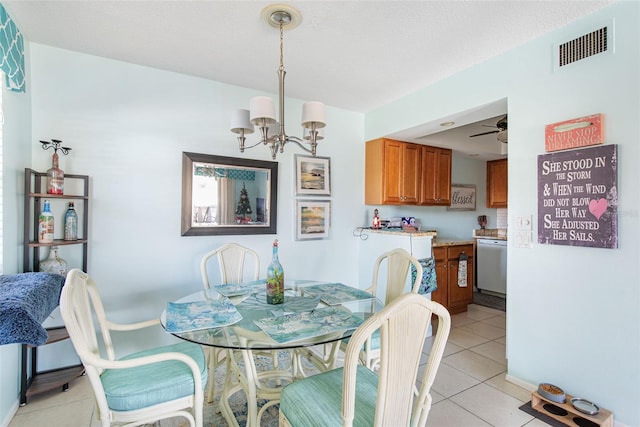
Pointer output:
x,y
336,293
258,301
191,316
237,289
308,324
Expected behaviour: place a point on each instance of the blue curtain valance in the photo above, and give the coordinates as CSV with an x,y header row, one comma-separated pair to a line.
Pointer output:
x,y
242,174
11,52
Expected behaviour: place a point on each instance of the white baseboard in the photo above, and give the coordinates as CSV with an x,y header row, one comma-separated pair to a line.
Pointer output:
x,y
521,383
12,411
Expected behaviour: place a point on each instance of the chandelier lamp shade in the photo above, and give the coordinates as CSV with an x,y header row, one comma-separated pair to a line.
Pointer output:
x,y
262,112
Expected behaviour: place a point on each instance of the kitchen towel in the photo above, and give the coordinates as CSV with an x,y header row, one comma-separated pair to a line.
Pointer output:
x,y
462,270
428,283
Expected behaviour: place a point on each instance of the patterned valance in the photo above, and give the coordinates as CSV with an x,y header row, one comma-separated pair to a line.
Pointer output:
x,y
242,174
11,52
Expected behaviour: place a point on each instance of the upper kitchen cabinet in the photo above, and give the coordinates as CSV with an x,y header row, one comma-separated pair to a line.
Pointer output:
x,y
497,183
436,176
392,172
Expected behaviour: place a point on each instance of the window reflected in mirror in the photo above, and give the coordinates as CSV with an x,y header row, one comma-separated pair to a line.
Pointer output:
x,y
228,195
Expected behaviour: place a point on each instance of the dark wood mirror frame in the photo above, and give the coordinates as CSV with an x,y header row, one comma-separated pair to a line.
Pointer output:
x,y
271,199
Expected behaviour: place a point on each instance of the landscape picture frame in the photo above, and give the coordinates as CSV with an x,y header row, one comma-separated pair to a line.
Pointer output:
x,y
312,175
313,219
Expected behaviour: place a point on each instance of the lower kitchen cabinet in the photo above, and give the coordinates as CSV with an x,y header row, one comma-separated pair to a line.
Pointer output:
x,y
449,294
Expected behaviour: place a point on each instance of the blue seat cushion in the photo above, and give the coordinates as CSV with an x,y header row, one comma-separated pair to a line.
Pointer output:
x,y
317,400
143,386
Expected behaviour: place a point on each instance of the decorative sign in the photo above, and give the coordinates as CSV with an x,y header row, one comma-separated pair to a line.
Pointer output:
x,y
575,133
578,197
463,197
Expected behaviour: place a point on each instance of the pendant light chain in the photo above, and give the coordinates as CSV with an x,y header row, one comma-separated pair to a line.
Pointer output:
x,y
281,45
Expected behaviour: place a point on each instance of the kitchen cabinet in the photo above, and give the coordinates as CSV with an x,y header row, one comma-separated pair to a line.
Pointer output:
x,y
449,294
497,183
436,176
392,172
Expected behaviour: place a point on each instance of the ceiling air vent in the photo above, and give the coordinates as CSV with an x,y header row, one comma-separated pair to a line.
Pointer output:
x,y
582,47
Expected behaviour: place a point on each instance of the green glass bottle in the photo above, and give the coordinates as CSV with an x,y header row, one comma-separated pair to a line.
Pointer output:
x,y
275,278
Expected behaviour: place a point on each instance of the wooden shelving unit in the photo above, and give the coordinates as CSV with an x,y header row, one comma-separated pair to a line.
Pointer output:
x,y
32,381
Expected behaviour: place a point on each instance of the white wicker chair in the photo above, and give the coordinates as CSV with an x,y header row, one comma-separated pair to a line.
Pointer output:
x,y
231,259
355,395
231,262
140,388
398,262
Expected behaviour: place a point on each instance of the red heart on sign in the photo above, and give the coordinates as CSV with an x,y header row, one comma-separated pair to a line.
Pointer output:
x,y
598,207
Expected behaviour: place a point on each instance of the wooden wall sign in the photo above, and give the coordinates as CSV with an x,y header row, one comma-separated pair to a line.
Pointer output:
x,y
463,197
575,133
578,197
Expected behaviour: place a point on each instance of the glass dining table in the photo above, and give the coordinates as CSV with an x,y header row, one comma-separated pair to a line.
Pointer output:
x,y
237,318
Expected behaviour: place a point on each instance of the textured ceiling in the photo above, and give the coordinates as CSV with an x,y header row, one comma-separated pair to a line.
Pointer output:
x,y
355,55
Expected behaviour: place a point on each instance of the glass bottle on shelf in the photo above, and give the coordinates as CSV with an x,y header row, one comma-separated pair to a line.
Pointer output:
x,y
54,264
45,224
71,223
275,278
55,177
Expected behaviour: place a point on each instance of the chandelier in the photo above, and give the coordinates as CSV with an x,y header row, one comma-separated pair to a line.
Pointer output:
x,y
262,111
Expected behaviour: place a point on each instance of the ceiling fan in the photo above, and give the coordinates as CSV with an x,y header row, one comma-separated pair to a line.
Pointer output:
x,y
501,132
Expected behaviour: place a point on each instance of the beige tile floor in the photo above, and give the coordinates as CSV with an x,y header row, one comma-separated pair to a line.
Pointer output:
x,y
470,388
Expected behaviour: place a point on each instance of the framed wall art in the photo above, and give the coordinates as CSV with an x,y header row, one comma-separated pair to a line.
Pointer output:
x,y
463,197
313,218
313,176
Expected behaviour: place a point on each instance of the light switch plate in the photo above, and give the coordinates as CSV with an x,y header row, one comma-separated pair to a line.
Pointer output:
x,y
524,222
524,230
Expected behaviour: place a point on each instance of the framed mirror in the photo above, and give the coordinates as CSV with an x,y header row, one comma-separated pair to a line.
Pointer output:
x,y
228,195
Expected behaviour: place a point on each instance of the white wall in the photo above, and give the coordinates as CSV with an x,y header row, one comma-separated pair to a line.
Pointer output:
x,y
574,313
16,155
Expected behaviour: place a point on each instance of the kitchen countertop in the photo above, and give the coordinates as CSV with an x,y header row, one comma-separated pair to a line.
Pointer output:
x,y
490,233
451,242
437,241
400,232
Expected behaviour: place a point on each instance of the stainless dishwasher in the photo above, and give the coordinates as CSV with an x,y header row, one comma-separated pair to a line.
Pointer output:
x,y
492,266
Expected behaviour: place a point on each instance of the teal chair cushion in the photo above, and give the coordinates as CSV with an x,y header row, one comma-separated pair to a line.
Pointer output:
x,y
317,400
143,386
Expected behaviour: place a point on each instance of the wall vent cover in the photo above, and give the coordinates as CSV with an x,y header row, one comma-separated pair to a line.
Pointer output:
x,y
583,47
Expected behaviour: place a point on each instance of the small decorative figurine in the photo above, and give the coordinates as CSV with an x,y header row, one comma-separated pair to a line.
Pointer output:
x,y
375,223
